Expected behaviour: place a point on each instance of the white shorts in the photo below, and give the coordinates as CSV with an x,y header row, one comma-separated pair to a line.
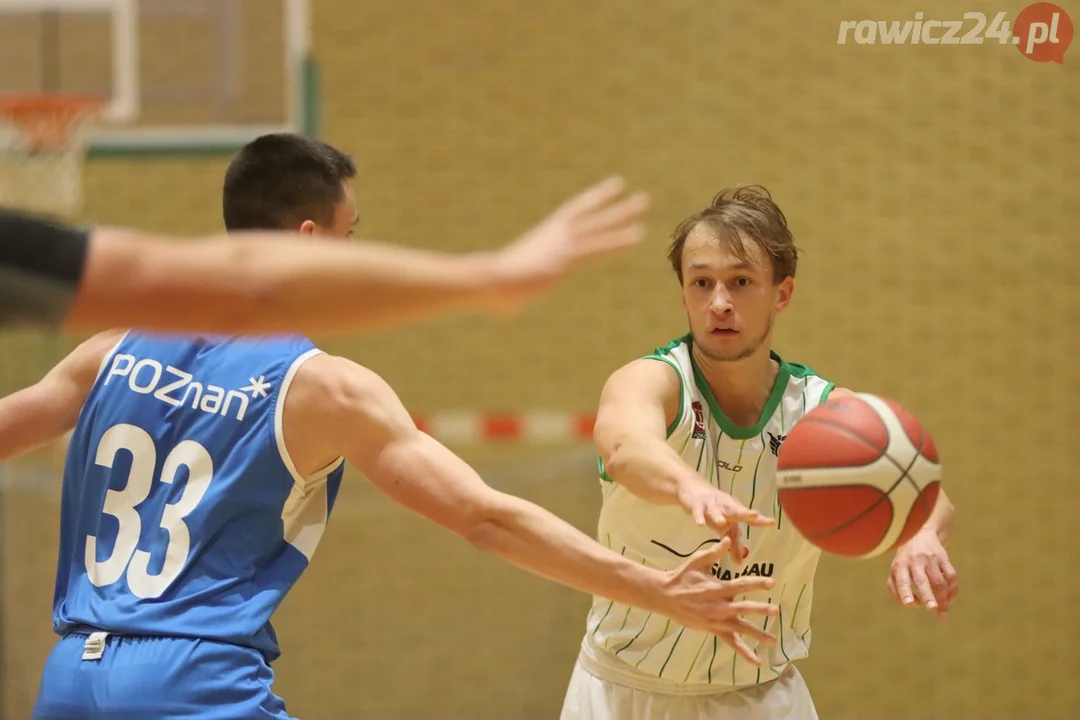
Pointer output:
x,y
590,698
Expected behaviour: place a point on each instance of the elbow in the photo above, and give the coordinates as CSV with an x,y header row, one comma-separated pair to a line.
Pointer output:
x,y
483,535
488,525
616,457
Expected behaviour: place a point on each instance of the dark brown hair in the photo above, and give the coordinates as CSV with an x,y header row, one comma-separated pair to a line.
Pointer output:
x,y
279,180
739,214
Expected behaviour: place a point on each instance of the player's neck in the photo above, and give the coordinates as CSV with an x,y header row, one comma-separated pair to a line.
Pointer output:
x,y
742,387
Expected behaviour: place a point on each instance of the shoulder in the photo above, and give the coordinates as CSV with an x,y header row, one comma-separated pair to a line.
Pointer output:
x,y
637,390
330,386
333,404
650,374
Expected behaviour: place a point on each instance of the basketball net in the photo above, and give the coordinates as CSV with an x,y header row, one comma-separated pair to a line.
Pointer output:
x,y
43,145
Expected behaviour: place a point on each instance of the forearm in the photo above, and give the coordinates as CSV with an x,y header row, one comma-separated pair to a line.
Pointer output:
x,y
537,541
424,476
649,468
942,518
269,282
28,421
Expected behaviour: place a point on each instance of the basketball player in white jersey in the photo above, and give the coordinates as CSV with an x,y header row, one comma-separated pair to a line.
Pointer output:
x,y
688,438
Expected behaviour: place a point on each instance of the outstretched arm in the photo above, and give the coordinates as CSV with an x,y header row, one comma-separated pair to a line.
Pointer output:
x,y
637,404
43,412
279,282
359,416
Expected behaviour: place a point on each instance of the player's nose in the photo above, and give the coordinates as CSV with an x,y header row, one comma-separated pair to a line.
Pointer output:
x,y
720,302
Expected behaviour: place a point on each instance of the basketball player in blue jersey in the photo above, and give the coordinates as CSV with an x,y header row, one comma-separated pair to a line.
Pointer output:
x,y
202,471
688,437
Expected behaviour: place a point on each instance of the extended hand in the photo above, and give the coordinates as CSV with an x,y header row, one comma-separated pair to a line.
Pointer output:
x,y
692,596
596,222
923,563
708,505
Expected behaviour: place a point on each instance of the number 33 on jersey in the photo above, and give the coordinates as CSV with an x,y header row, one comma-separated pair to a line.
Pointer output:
x,y
183,513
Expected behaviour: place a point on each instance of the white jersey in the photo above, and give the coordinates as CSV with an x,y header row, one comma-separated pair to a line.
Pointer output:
x,y
631,646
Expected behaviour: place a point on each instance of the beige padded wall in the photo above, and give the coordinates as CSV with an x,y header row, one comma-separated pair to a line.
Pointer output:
x,y
934,192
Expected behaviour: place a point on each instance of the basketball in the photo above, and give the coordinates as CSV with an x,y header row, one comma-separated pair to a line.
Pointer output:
x,y
858,476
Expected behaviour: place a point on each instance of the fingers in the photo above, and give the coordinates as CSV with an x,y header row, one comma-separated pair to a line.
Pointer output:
x,y
704,559
698,513
891,584
923,589
939,587
750,607
613,217
722,514
951,578
946,594
716,518
734,512
901,585
740,647
592,197
738,552
753,517
743,628
746,584
608,243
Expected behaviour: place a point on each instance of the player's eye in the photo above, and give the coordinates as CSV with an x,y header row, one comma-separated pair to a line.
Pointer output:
x,y
742,281
701,282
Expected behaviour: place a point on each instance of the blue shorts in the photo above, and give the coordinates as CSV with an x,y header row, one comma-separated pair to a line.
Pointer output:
x,y
156,677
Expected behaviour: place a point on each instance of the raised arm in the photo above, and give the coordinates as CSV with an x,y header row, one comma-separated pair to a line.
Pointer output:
x,y
45,411
359,416
280,282
638,403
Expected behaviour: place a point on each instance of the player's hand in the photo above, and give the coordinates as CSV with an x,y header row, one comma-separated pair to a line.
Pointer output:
x,y
921,574
710,506
692,596
596,222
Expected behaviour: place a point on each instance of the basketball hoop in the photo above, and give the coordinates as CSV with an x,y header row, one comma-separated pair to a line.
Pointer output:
x,y
43,144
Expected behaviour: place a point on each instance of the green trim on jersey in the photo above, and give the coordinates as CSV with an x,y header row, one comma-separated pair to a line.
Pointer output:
x,y
600,469
661,355
796,370
779,387
674,424
825,393
787,370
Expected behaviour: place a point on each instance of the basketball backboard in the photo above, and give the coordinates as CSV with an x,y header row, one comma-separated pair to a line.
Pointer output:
x,y
180,76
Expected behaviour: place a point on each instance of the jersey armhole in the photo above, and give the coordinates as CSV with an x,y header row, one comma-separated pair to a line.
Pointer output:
x,y
279,427
682,390
829,387
109,355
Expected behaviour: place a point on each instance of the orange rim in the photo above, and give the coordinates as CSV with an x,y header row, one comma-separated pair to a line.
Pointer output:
x,y
47,119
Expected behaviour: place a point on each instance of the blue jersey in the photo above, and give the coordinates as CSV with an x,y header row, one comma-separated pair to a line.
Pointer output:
x,y
182,514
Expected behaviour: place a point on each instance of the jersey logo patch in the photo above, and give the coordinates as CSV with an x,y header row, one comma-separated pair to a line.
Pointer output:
x,y
699,421
775,441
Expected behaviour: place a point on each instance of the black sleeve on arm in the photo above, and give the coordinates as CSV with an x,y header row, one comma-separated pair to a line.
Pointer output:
x,y
41,264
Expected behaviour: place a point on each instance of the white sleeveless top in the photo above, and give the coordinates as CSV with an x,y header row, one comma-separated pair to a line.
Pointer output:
x,y
633,647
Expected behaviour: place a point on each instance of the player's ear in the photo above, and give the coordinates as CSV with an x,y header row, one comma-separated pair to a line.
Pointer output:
x,y
784,290
308,227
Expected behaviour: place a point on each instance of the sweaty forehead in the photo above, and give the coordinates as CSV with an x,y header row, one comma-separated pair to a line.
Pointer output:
x,y
709,247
